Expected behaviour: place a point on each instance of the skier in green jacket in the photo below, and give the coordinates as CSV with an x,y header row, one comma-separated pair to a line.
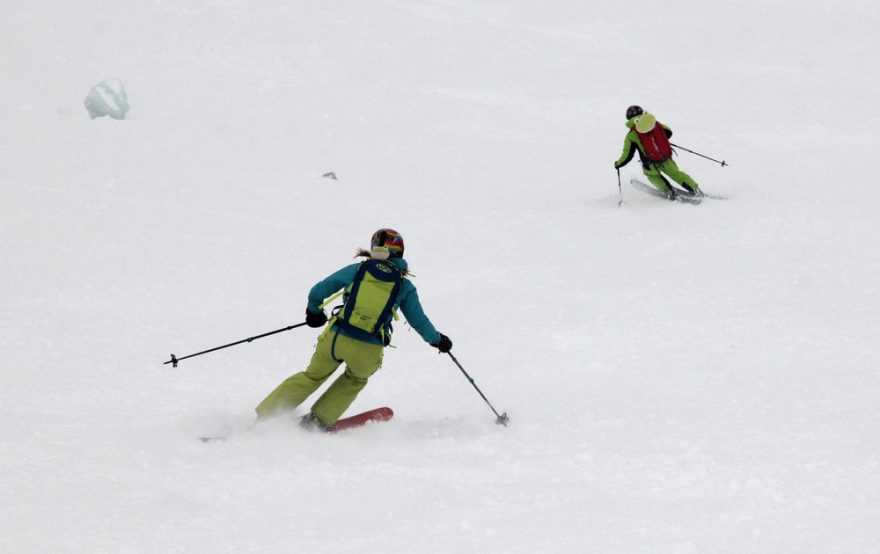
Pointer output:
x,y
650,139
358,332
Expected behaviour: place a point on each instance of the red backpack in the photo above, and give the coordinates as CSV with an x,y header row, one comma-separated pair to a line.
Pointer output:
x,y
655,144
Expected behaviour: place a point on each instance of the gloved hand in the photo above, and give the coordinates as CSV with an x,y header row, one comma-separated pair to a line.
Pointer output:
x,y
444,344
315,319
616,166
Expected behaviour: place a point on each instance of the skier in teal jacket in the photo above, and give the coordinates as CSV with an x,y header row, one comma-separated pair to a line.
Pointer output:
x,y
373,292
650,139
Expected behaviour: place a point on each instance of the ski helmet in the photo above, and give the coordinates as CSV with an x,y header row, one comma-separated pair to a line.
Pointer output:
x,y
386,243
633,111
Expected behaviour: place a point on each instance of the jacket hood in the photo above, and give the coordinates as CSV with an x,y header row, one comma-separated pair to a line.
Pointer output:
x,y
631,124
399,262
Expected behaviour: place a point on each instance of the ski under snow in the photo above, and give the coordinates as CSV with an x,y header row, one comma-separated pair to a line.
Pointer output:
x,y
375,415
681,195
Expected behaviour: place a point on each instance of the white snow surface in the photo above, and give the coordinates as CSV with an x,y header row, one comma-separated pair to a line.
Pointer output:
x,y
678,378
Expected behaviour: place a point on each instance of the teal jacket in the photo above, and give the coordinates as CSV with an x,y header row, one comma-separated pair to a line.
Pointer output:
x,y
407,300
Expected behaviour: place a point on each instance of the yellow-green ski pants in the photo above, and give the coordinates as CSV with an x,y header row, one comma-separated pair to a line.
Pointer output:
x,y
361,359
654,173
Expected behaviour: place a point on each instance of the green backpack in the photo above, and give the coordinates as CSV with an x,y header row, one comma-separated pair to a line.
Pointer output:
x,y
369,301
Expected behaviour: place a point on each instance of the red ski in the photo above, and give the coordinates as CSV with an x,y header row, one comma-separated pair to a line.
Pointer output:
x,y
370,416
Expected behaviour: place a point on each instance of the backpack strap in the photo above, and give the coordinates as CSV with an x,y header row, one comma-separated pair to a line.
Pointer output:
x,y
331,298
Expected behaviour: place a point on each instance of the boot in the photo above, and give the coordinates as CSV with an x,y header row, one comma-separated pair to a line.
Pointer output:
x,y
311,423
693,190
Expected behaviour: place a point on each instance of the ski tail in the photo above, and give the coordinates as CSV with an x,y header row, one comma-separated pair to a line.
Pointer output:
x,y
371,416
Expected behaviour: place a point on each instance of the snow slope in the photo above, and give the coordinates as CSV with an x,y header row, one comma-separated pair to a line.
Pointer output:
x,y
678,378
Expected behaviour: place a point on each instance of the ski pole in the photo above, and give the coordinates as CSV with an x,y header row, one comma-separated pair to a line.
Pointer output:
x,y
722,162
619,189
502,419
174,359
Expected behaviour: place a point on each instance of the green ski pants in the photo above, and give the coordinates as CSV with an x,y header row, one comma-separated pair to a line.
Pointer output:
x,y
654,173
361,359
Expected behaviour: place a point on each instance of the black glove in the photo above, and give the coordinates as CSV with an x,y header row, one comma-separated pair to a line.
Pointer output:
x,y
315,319
444,344
616,166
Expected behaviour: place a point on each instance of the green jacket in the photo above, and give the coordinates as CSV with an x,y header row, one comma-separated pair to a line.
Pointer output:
x,y
632,144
